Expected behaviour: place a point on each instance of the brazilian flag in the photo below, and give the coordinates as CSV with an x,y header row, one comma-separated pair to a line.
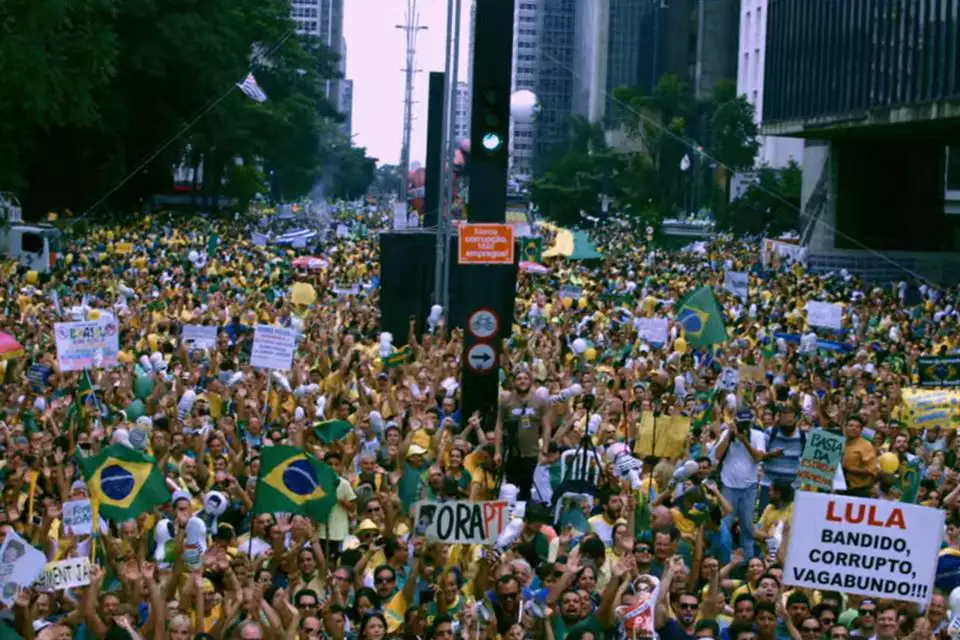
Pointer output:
x,y
403,356
291,481
123,482
332,430
701,319
532,250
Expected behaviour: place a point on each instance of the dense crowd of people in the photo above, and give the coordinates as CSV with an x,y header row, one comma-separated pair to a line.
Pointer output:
x,y
682,541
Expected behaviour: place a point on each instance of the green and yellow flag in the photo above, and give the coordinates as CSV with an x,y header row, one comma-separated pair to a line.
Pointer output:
x,y
123,482
403,356
291,481
702,319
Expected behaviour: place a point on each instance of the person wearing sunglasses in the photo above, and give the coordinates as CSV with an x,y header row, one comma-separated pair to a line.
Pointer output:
x,y
810,629
867,619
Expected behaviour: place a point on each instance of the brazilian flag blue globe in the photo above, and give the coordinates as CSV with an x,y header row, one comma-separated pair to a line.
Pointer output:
x,y
292,481
701,319
123,482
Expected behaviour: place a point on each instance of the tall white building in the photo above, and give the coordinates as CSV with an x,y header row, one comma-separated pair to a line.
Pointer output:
x,y
461,115
524,74
774,151
591,43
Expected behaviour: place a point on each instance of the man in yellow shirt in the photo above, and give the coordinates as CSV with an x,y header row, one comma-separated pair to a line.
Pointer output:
x,y
859,460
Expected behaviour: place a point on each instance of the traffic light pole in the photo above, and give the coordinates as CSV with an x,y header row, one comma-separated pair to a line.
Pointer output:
x,y
488,289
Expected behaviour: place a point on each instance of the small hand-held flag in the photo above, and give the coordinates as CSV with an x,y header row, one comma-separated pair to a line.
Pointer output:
x,y
251,89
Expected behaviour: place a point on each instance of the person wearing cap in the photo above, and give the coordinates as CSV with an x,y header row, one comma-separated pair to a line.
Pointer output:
x,y
414,468
738,454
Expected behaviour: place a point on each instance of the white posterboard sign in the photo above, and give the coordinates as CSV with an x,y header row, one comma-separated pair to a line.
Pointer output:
x,y
200,336
78,518
737,283
824,314
874,548
653,330
460,521
66,574
20,565
91,344
399,216
273,347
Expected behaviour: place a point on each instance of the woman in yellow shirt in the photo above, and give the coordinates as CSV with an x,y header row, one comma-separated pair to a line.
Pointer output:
x,y
780,510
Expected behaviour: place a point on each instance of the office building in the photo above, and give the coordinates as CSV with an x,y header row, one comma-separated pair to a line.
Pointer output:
x,y
461,114
774,151
524,75
346,106
556,21
718,40
591,39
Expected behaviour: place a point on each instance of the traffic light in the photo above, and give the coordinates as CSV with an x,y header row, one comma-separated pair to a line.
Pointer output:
x,y
490,110
495,118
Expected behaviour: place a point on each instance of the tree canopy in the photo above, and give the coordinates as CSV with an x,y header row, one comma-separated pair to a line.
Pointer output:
x,y
770,205
93,87
642,173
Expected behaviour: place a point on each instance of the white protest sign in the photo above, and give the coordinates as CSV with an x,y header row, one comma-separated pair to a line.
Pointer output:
x,y
873,548
66,574
87,345
20,565
273,347
200,336
78,518
653,330
461,522
824,314
736,283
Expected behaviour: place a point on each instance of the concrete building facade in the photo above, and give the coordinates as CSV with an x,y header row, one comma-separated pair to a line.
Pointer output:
x,y
461,116
556,20
524,76
323,20
751,60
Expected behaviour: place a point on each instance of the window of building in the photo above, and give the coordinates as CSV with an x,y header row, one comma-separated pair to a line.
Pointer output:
x,y
757,32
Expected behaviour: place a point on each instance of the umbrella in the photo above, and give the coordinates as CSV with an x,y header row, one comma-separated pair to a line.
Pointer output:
x,y
310,262
303,293
9,347
332,430
534,268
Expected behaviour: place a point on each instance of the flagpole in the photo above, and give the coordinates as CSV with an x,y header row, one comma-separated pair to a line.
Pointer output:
x,y
266,401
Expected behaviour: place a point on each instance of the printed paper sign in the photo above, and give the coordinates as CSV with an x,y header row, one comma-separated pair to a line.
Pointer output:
x,y
66,574
653,330
825,314
875,548
736,283
485,244
200,336
87,345
78,518
461,522
821,457
20,565
273,347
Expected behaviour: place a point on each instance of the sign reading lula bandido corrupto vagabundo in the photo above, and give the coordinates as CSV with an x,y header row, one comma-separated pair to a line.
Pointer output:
x,y
873,548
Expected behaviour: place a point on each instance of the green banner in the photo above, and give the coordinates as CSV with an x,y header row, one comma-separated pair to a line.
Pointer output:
x,y
821,457
939,371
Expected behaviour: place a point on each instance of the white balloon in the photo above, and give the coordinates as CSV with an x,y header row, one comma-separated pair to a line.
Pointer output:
x,y
524,106
955,602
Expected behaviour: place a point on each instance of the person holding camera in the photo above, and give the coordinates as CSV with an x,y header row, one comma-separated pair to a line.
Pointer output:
x,y
523,432
738,453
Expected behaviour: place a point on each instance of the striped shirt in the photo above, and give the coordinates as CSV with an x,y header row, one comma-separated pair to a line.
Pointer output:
x,y
783,467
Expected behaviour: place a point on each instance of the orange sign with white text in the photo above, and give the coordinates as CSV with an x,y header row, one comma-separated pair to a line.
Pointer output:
x,y
486,244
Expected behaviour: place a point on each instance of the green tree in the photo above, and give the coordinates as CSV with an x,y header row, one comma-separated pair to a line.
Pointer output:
x,y
101,84
386,181
354,174
771,205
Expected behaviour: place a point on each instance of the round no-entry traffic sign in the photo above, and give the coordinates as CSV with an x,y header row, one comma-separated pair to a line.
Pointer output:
x,y
481,358
483,323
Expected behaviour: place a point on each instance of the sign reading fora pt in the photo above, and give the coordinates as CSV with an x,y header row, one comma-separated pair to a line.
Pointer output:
x,y
486,244
461,522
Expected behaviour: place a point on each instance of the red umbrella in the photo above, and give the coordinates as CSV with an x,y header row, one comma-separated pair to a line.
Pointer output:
x,y
310,262
9,347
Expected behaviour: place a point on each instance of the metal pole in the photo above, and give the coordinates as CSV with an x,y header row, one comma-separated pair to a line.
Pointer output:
x,y
440,263
452,140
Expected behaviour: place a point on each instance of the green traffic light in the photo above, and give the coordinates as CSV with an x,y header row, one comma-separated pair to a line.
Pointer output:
x,y
492,142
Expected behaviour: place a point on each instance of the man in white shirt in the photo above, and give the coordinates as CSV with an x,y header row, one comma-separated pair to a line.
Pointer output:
x,y
739,452
337,526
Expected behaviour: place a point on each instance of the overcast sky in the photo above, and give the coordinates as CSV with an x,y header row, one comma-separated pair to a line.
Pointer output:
x,y
375,56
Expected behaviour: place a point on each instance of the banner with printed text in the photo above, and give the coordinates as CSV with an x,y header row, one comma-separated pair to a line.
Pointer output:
x,y
273,347
875,548
461,522
928,408
87,345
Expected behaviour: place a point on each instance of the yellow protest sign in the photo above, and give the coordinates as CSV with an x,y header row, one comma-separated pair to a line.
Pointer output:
x,y
928,408
664,436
